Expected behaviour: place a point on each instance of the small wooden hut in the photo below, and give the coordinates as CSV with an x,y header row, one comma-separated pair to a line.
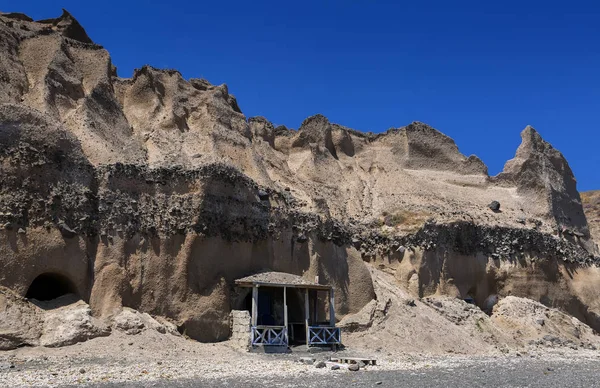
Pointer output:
x,y
288,309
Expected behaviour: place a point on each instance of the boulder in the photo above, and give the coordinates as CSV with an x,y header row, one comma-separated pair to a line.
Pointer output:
x,y
71,323
133,322
354,367
20,321
494,206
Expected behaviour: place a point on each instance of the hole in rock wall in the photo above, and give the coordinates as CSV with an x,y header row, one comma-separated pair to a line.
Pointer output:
x,y
470,296
48,286
486,305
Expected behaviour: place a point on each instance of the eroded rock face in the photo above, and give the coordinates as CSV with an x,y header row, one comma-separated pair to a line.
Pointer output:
x,y
427,148
156,193
542,172
591,207
67,26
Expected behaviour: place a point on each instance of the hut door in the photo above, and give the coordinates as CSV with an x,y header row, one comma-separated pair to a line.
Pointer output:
x,y
265,311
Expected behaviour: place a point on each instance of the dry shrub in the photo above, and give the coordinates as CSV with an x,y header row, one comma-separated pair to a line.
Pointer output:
x,y
404,220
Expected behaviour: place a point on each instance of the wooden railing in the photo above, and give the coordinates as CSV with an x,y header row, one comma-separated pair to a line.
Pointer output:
x,y
269,335
319,335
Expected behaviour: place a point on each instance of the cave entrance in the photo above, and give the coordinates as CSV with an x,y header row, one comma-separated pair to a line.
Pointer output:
x,y
49,286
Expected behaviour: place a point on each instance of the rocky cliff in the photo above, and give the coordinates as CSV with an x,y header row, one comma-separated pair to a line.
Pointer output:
x,y
591,207
155,192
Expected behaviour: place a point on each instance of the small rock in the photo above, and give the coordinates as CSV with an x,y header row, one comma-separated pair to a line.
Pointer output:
x,y
411,302
65,230
81,370
302,238
379,383
353,367
550,369
335,367
494,206
540,321
21,231
263,195
320,364
307,360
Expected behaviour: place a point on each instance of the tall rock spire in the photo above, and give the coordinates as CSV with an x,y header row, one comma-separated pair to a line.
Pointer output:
x,y
541,172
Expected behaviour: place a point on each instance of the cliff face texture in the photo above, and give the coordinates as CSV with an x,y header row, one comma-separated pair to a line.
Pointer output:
x,y
591,206
156,193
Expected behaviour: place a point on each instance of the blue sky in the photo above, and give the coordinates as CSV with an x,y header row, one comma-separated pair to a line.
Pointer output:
x,y
479,71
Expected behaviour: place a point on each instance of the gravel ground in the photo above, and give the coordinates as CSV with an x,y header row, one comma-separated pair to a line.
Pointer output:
x,y
504,373
203,365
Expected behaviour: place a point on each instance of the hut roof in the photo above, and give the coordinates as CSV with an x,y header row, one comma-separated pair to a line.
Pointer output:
x,y
279,279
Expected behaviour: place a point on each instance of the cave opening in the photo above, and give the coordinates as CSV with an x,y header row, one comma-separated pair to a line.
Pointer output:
x,y
470,296
49,286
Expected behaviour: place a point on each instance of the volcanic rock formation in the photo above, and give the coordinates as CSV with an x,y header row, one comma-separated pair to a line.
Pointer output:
x,y
591,207
156,193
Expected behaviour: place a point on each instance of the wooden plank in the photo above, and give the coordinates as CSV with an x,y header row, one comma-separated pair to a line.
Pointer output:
x,y
306,316
324,335
254,305
351,360
269,336
285,309
331,308
314,306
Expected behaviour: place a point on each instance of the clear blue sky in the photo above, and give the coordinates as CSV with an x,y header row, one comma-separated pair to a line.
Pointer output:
x,y
479,72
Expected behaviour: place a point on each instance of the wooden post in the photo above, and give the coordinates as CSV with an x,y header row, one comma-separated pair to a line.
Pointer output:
x,y
306,315
331,308
315,311
254,305
285,307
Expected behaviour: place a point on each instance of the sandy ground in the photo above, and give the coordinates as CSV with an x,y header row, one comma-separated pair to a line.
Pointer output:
x,y
162,359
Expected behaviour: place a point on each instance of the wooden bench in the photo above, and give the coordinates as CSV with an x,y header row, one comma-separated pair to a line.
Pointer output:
x,y
354,360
